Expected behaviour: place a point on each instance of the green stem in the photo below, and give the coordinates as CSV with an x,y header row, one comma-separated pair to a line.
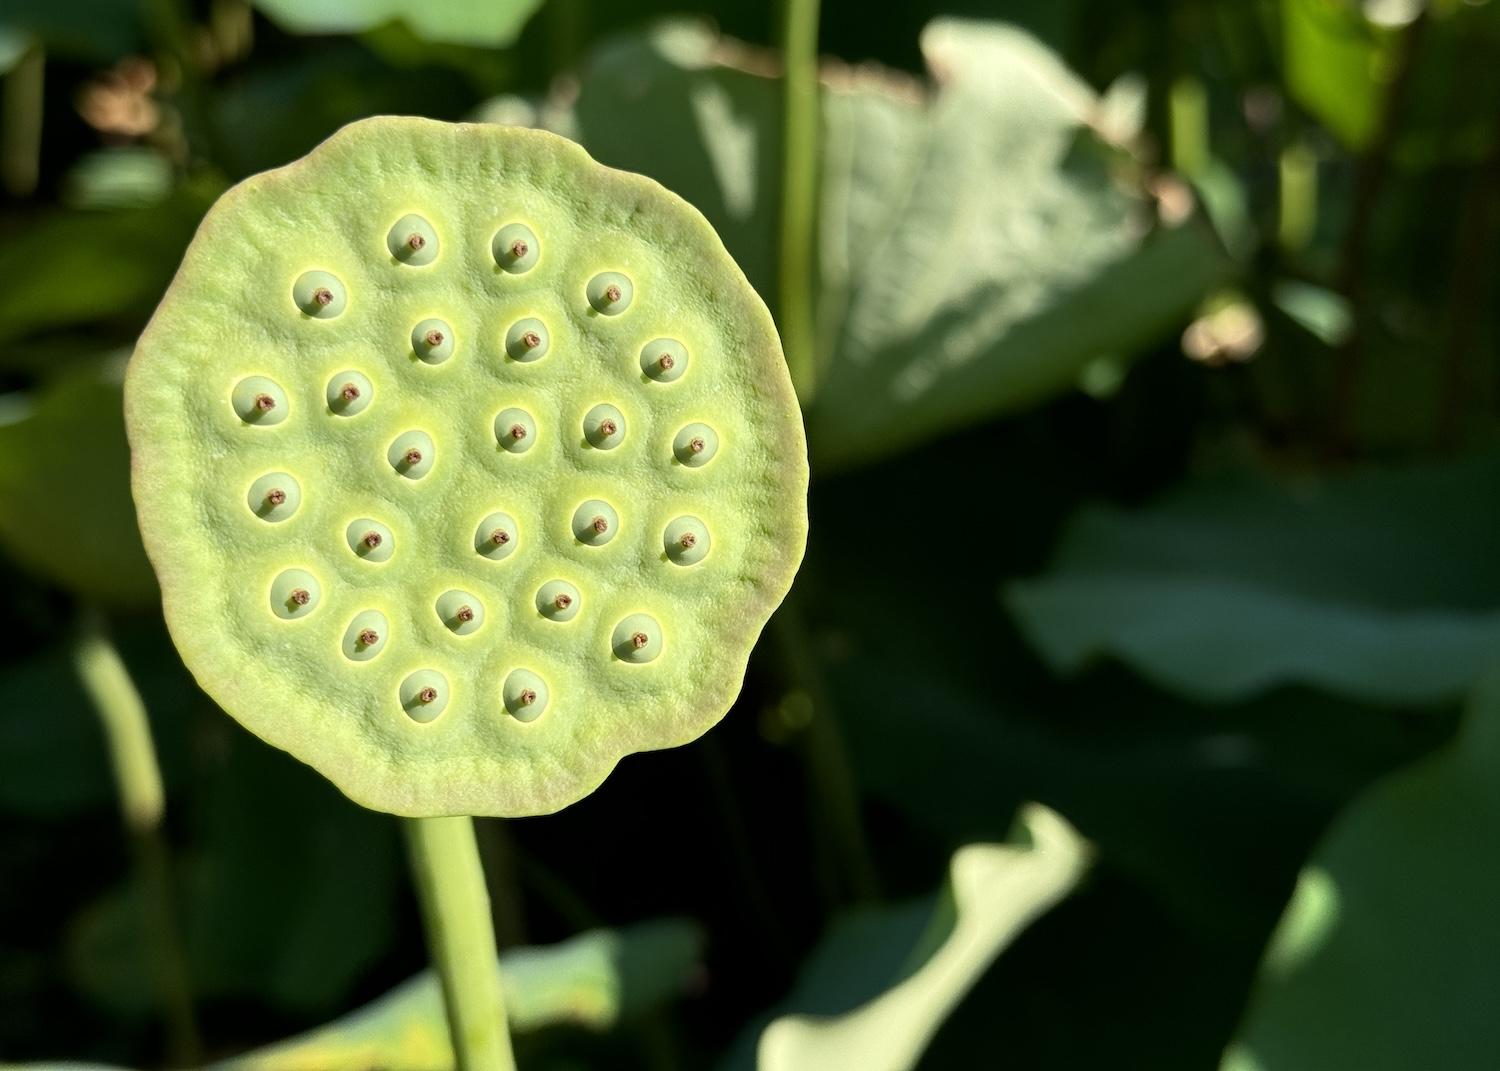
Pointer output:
x,y
799,191
21,100
456,914
127,734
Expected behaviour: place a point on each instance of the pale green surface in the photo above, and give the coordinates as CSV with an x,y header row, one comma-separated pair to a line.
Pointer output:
x,y
459,22
1388,958
229,315
994,893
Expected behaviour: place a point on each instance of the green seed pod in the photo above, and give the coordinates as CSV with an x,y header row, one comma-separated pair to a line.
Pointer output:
x,y
515,430
686,541
595,522
497,536
610,293
515,248
664,359
259,401
558,600
295,594
525,695
274,497
365,637
423,721
527,340
432,341
695,445
604,427
348,393
319,295
412,241
461,613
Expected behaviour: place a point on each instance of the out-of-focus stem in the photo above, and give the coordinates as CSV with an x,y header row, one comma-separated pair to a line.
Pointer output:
x,y
1188,114
1298,214
21,124
799,191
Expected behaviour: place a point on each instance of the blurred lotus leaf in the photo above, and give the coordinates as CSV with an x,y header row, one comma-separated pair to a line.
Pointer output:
x,y
459,22
980,242
1336,65
64,474
1388,958
1381,585
94,30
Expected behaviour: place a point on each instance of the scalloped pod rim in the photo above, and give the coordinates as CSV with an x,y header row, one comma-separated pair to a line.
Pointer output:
x,y
356,560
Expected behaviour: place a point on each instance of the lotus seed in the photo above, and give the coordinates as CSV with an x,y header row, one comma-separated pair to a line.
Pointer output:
x,y
349,393
686,541
411,454
412,241
527,340
604,427
496,536
610,293
460,611
637,639
515,248
294,594
424,695
595,522
557,600
370,540
525,695
319,294
274,497
664,359
695,445
432,341
365,637
515,430
259,401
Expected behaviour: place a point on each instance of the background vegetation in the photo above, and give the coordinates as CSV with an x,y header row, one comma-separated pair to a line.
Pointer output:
x,y
1149,353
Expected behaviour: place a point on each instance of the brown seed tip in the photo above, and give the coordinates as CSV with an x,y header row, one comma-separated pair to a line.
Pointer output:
x,y
300,596
563,601
412,456
275,496
600,525
427,695
415,241
465,614
518,431
639,640
531,340
697,445
665,362
688,541
608,428
499,537
265,403
323,296
433,338
527,697
373,539
519,248
612,293
348,392
369,638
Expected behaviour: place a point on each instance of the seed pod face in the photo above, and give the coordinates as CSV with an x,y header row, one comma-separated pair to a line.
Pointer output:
x,y
433,716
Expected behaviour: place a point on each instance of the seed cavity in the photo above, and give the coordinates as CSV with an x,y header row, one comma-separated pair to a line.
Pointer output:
x,y
496,536
365,637
610,293
294,594
460,612
527,340
424,695
525,694
558,600
664,360
515,248
370,540
412,454
595,522
695,445
348,393
259,401
686,540
319,294
604,427
432,341
637,639
274,497
412,241
515,430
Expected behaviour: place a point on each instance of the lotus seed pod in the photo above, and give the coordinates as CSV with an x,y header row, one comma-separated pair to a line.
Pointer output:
x,y
527,340
604,427
686,541
412,240
664,359
586,639
259,401
432,341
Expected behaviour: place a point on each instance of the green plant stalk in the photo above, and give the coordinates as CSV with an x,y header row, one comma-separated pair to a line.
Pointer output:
x,y
460,935
21,100
1188,111
127,734
1298,216
799,192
